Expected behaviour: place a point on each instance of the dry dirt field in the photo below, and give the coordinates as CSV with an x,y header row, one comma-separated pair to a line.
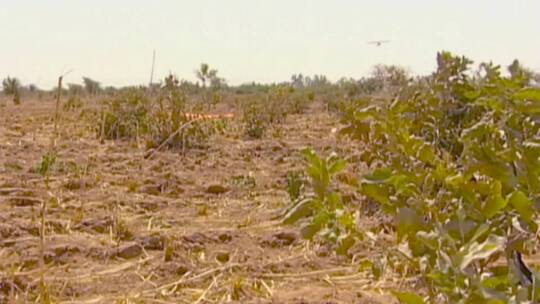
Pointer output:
x,y
199,228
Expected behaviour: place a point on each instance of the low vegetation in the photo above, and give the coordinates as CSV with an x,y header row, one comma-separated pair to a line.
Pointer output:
x,y
454,159
168,119
392,188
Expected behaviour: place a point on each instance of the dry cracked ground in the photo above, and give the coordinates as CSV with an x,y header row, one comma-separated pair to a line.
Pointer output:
x,y
198,228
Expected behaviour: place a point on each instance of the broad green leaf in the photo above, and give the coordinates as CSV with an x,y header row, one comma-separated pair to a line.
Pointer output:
x,y
365,265
365,113
358,130
428,239
491,103
531,94
480,232
311,157
496,281
477,131
455,181
523,205
408,298
403,184
532,150
413,146
495,202
472,95
474,251
302,209
409,222
533,177
461,226
337,166
325,176
334,201
376,192
441,172
315,173
308,231
319,222
347,220
426,154
398,180
487,300
379,175
345,243
529,107
500,171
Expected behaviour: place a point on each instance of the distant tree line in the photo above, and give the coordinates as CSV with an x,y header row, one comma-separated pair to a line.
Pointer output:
x,y
383,78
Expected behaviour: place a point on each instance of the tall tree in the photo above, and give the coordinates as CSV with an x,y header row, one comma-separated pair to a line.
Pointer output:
x,y
32,88
205,74
518,71
75,89
91,86
12,87
297,81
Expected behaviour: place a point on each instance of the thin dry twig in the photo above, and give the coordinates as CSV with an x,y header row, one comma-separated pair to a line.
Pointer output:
x,y
194,278
57,110
306,274
107,272
203,295
150,153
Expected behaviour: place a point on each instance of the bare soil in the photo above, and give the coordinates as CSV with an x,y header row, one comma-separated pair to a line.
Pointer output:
x,y
199,228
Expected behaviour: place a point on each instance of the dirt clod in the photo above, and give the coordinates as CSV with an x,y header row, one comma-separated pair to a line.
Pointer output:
x,y
223,257
24,201
129,251
119,225
225,237
151,189
176,268
77,184
280,239
217,189
152,242
100,225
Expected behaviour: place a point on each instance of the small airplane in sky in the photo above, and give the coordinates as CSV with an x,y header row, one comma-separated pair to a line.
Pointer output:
x,y
379,42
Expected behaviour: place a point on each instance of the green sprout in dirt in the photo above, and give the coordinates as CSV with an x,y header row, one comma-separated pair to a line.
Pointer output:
x,y
295,184
48,160
44,168
323,212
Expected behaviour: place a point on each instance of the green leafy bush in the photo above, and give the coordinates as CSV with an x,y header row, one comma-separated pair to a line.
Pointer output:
x,y
270,110
73,103
255,121
133,115
457,164
300,102
125,116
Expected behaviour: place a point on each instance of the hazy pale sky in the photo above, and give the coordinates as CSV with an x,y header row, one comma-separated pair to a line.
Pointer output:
x,y
255,40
